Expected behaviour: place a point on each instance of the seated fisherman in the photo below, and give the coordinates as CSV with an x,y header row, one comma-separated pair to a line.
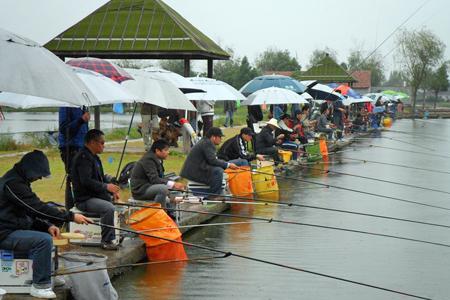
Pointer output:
x,y
202,164
266,142
323,125
92,189
26,223
147,179
235,149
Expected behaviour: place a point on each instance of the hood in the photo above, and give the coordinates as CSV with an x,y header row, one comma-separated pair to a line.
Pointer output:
x,y
34,165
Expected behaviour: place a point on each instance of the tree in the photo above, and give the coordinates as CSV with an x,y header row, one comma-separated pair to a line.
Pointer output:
x,y
276,60
318,55
132,63
418,51
438,81
396,78
235,71
357,61
175,65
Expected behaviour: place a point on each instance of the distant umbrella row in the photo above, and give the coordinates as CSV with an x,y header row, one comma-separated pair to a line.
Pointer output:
x,y
34,77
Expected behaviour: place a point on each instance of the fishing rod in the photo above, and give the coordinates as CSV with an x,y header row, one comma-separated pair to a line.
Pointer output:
x,y
419,134
272,220
409,151
395,165
205,258
229,254
381,180
396,140
354,190
204,225
290,204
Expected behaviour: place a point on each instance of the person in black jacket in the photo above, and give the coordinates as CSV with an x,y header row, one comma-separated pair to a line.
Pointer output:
x,y
147,179
236,148
202,164
26,223
92,189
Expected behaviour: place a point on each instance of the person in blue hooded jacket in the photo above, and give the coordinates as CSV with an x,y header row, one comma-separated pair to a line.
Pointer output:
x,y
73,126
27,223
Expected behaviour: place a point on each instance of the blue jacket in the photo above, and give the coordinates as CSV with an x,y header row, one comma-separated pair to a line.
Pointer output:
x,y
72,128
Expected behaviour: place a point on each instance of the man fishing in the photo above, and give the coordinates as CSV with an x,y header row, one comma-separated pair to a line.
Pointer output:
x,y
147,179
26,223
202,164
93,190
235,148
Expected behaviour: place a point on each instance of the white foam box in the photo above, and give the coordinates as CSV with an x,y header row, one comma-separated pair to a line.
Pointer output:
x,y
92,233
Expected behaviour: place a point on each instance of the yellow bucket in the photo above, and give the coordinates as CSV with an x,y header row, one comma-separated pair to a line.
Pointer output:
x,y
285,155
264,179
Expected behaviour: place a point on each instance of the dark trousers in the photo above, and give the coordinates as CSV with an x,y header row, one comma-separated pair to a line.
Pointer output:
x,y
106,211
207,123
215,181
272,151
67,154
39,246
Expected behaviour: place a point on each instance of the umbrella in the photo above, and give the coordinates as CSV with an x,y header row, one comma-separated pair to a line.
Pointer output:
x,y
30,69
152,90
101,66
384,98
397,95
320,91
266,81
274,95
184,84
345,90
216,90
348,101
105,90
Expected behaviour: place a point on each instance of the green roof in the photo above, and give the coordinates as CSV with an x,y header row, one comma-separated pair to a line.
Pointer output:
x,y
135,29
326,71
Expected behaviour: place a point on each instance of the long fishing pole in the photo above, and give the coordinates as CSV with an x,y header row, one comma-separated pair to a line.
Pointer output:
x,y
380,180
205,225
433,137
354,190
271,220
409,151
205,258
396,140
229,253
290,204
126,141
395,165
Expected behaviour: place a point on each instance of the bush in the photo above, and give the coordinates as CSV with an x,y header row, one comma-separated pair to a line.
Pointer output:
x,y
7,143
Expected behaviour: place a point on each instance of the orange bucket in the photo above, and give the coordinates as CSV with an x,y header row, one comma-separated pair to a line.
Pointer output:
x,y
240,181
157,223
323,147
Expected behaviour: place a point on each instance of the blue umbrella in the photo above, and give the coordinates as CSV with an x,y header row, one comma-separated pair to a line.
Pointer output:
x,y
267,81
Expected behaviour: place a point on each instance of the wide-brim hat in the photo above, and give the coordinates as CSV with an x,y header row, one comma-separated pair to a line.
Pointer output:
x,y
273,122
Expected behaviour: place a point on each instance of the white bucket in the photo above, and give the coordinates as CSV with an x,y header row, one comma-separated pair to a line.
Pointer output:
x,y
2,293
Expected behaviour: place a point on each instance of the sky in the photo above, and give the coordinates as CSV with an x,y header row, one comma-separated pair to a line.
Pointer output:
x,y
251,26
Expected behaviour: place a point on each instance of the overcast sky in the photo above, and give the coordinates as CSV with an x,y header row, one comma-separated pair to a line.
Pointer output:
x,y
251,26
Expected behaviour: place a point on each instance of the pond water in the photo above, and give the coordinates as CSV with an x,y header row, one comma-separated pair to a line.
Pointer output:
x,y
411,267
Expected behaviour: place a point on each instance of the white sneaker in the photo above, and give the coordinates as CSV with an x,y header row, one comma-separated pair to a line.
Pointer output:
x,y
42,293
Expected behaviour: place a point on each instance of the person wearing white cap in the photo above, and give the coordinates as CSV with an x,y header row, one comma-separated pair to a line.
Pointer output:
x,y
265,142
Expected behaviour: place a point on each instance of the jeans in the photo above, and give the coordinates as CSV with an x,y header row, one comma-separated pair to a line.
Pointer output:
x,y
106,211
239,162
157,193
39,246
215,182
229,118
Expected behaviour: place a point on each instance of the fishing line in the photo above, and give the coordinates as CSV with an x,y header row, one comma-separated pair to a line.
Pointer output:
x,y
396,140
289,204
427,136
395,165
271,220
381,180
229,253
354,190
409,151
136,264
204,225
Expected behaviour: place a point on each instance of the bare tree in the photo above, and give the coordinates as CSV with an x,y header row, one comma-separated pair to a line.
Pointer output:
x,y
418,51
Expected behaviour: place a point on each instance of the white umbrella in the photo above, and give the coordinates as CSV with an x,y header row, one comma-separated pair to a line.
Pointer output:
x,y
149,89
216,90
274,95
29,69
350,100
184,84
105,90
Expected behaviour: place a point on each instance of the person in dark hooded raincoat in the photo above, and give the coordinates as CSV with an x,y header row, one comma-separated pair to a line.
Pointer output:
x,y
26,223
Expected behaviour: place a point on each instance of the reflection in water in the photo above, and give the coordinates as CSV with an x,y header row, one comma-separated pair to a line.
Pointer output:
x,y
401,265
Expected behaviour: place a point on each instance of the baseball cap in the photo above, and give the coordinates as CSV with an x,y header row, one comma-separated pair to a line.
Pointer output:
x,y
247,131
214,131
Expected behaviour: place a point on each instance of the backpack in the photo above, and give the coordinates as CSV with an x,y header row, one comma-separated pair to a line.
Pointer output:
x,y
125,174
